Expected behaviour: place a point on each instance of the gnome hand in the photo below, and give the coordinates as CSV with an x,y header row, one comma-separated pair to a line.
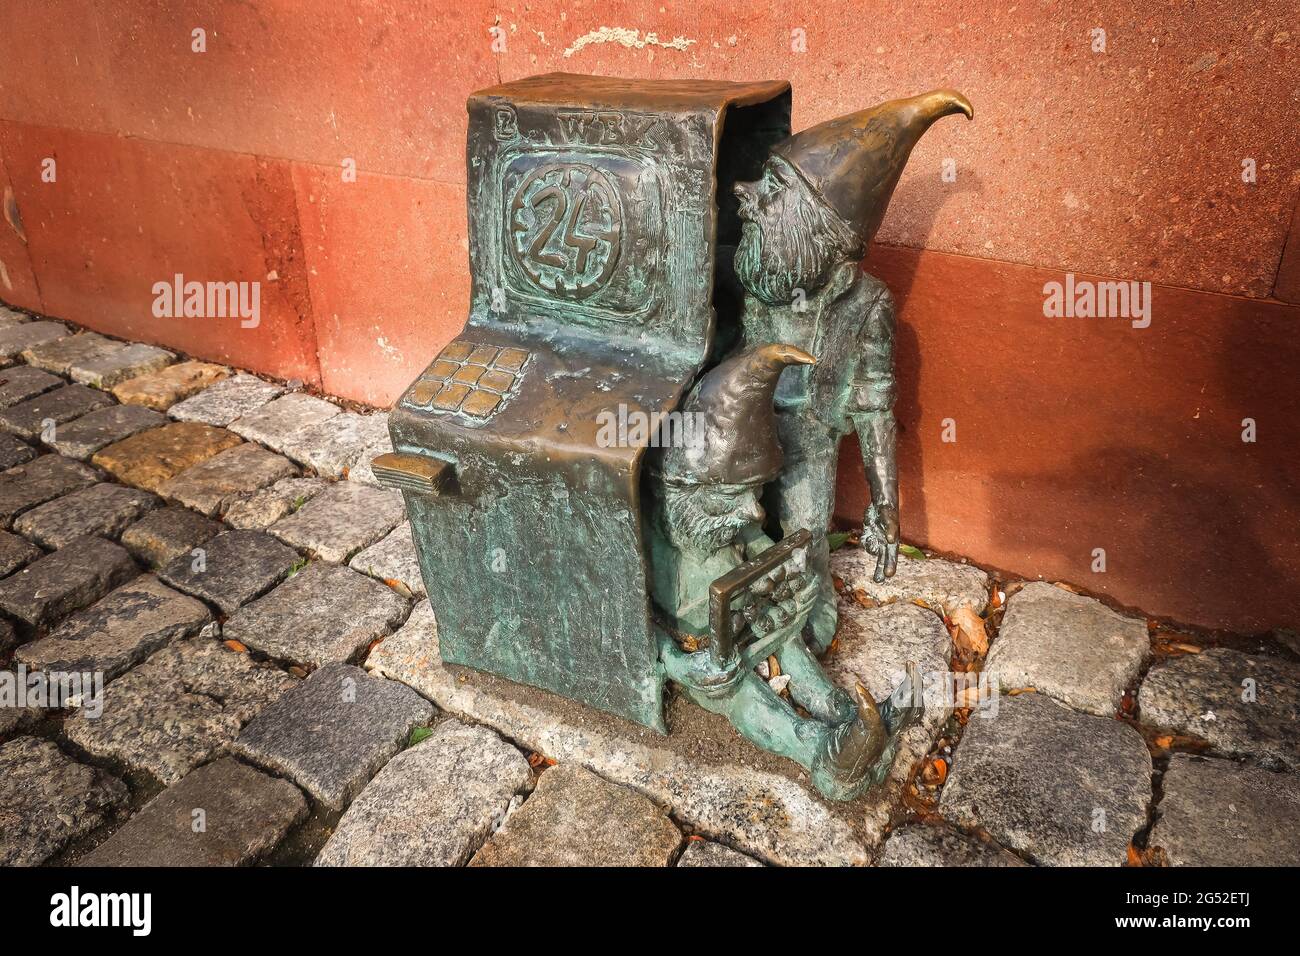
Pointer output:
x,y
880,537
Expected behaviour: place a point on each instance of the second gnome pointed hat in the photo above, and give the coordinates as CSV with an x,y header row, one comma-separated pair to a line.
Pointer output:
x,y
735,440
854,161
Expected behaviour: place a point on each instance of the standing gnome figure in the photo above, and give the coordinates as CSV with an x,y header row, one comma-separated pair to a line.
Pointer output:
x,y
806,225
705,527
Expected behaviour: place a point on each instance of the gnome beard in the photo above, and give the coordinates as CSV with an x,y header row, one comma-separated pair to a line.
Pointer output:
x,y
789,242
691,523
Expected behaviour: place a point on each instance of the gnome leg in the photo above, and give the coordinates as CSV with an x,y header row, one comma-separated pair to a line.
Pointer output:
x,y
803,496
810,687
748,703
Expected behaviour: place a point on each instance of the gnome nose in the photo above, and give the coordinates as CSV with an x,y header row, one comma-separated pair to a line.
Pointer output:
x,y
745,193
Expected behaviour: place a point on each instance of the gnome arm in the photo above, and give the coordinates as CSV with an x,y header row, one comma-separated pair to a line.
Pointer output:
x,y
872,414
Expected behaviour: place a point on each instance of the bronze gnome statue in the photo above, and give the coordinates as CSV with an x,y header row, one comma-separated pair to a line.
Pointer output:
x,y
565,545
707,544
808,220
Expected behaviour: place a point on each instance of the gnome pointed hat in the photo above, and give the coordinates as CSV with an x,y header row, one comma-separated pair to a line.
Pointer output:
x,y
735,440
854,161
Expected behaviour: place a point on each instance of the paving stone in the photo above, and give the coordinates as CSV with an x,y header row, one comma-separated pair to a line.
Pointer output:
x,y
245,814
334,731
921,845
162,389
211,486
82,437
15,552
22,382
574,818
1060,787
874,646
393,559
162,536
111,366
1070,647
8,638
341,520
103,509
178,709
34,483
48,800
1201,695
152,457
714,781
322,615
264,508
69,579
236,567
16,338
14,720
14,452
118,632
431,805
941,584
701,853
59,355
9,318
278,421
333,446
1219,813
29,419
361,470
227,400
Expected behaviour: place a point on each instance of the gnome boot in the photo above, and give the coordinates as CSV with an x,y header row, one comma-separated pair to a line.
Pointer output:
x,y
859,753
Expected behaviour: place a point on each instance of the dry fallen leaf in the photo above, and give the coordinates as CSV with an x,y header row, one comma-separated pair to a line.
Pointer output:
x,y
1165,741
1022,690
935,772
1134,856
236,646
968,632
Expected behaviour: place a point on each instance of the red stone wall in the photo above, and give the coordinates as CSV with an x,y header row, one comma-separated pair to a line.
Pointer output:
x,y
1072,434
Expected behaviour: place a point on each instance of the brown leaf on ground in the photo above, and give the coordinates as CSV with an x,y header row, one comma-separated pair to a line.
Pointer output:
x,y
1022,690
995,597
1164,741
1066,587
861,597
236,646
539,761
935,772
399,587
1134,856
968,634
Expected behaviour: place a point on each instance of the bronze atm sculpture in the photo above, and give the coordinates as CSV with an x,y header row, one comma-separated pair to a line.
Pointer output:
x,y
608,222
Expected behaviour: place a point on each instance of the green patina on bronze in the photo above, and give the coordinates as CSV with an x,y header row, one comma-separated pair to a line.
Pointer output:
x,y
557,549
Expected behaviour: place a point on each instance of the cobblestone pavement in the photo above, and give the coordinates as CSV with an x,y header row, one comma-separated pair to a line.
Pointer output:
x,y
214,549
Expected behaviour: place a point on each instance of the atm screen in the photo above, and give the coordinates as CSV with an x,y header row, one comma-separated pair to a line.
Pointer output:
x,y
583,229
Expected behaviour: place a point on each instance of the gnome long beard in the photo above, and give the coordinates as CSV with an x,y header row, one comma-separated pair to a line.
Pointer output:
x,y
791,244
